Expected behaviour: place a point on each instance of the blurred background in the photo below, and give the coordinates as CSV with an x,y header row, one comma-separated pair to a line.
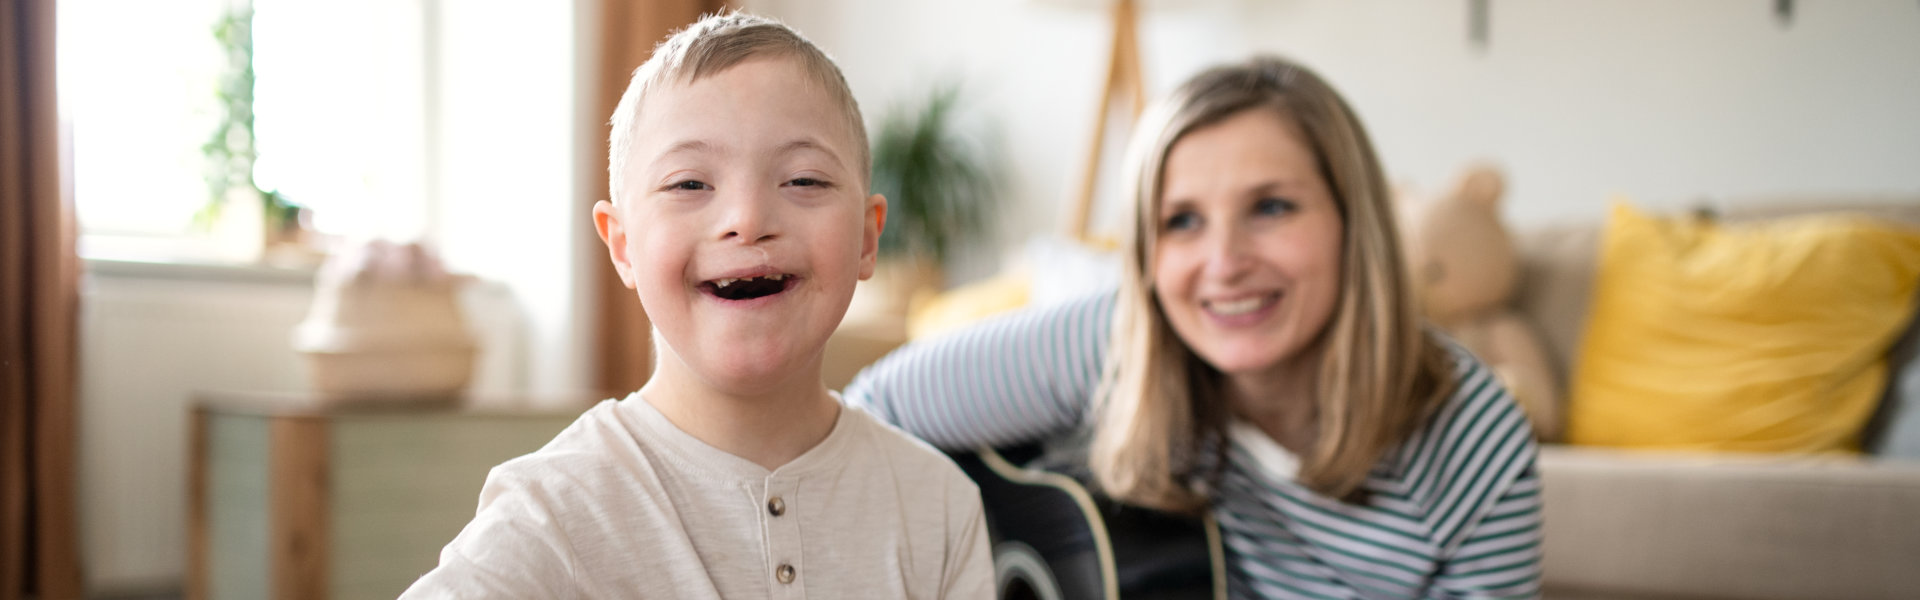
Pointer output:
x,y
218,150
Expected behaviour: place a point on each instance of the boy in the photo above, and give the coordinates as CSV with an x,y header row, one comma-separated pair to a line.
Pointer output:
x,y
738,166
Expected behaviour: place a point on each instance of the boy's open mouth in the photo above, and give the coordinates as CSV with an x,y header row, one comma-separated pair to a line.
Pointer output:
x,y
748,288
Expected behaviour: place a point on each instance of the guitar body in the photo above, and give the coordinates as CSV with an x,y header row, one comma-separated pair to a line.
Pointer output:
x,y
1054,539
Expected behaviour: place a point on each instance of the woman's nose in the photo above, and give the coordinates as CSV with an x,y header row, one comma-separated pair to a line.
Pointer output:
x,y
1227,251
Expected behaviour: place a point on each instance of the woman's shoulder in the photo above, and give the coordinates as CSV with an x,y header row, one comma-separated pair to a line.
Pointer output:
x,y
1478,424
1473,448
1479,402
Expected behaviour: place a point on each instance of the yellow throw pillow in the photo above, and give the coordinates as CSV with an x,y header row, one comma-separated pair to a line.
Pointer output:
x,y
966,304
1763,337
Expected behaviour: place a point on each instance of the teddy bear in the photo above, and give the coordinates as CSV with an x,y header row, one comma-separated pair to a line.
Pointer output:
x,y
1465,268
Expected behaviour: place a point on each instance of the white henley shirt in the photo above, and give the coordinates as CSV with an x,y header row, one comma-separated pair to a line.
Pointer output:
x,y
623,504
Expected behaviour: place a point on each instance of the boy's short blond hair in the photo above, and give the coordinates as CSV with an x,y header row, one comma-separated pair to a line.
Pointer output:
x,y
712,45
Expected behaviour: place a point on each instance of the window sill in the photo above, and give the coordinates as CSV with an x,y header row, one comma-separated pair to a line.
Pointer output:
x,y
196,258
260,273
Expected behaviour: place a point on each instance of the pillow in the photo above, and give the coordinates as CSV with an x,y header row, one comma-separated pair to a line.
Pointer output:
x,y
1762,337
955,308
1052,270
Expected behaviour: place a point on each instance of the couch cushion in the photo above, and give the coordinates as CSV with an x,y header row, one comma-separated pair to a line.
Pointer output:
x,y
1895,429
1556,282
1759,337
1897,209
1638,524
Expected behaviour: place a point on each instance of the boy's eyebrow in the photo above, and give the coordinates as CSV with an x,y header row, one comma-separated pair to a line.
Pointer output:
x,y
693,146
807,144
702,147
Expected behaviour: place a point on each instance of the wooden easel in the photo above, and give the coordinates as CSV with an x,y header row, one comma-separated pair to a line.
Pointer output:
x,y
1123,77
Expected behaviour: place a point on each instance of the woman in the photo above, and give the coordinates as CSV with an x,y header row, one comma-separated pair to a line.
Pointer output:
x,y
1267,364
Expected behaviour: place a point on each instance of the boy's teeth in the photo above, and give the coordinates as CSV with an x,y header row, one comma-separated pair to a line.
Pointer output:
x,y
727,281
1238,307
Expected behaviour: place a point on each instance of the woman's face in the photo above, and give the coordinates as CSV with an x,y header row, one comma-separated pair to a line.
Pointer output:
x,y
1247,262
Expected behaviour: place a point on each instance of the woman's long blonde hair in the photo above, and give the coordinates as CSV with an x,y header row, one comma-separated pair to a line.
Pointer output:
x,y
1160,436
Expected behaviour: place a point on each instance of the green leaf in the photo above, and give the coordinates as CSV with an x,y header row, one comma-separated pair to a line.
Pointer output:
x,y
940,184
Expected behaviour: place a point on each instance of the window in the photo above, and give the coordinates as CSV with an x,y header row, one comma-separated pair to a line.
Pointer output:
x,y
342,112
339,121
136,86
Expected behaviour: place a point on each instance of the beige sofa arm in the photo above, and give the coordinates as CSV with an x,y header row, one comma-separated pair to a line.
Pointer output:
x,y
1633,524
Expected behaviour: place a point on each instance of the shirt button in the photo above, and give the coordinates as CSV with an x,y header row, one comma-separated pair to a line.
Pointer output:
x,y
776,506
785,573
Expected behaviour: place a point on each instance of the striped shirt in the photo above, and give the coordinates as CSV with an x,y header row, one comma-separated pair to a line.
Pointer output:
x,y
1452,512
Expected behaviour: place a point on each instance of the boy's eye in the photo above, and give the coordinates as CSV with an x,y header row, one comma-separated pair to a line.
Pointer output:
x,y
1181,221
1273,206
807,182
691,185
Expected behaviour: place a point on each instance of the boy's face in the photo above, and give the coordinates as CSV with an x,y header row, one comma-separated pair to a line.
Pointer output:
x,y
745,225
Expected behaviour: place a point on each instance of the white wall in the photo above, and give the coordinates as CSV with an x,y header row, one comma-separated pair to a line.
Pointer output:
x,y
1580,100
506,203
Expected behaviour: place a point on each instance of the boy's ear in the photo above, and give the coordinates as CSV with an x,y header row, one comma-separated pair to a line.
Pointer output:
x,y
874,222
606,220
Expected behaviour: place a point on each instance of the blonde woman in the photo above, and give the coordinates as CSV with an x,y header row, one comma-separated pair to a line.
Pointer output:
x,y
1262,360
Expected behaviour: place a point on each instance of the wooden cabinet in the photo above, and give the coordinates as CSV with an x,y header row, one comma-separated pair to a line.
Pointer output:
x,y
289,500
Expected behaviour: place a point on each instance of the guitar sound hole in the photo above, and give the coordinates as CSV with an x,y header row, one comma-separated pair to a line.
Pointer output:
x,y
1019,589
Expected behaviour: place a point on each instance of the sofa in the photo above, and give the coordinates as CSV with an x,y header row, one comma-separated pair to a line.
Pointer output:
x,y
1651,524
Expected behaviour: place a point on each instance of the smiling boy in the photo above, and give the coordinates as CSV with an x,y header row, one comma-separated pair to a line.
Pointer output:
x,y
740,217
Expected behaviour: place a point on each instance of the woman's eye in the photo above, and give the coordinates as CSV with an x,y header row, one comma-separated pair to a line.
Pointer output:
x,y
1182,221
1273,206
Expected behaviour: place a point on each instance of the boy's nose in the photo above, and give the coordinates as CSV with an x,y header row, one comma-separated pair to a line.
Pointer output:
x,y
750,218
732,235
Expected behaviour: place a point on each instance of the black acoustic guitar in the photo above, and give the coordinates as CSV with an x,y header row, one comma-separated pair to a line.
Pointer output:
x,y
1053,539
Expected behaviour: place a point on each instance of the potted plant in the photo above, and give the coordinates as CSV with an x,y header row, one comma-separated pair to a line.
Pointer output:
x,y
231,152
941,189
